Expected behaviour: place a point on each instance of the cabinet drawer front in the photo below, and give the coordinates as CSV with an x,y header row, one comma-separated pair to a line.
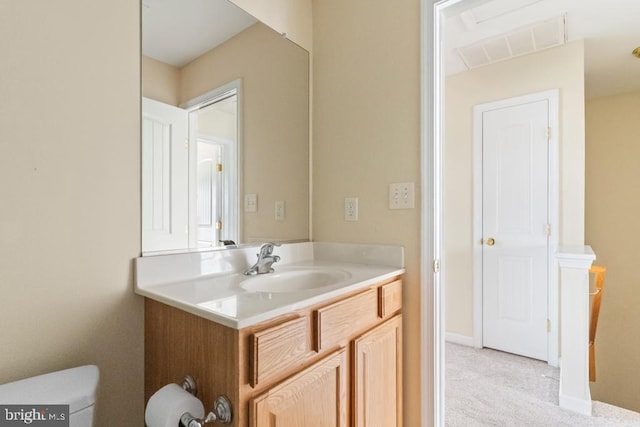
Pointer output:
x,y
337,322
277,350
389,298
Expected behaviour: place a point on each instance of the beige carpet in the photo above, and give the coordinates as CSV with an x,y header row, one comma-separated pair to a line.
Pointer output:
x,y
485,387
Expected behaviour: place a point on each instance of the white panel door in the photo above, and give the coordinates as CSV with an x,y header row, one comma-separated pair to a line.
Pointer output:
x,y
165,173
515,187
209,193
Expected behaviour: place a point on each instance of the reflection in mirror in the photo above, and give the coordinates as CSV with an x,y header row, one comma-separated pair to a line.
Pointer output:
x,y
215,128
241,100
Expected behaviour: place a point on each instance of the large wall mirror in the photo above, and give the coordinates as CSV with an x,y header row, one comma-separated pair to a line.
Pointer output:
x,y
225,129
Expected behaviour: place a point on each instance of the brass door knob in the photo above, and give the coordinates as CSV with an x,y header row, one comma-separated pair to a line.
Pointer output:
x,y
491,241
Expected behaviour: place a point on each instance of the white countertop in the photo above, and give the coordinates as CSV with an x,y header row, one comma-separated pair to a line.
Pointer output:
x,y
211,284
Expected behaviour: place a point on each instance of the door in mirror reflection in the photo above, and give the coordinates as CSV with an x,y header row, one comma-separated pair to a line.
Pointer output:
x,y
215,126
190,207
165,171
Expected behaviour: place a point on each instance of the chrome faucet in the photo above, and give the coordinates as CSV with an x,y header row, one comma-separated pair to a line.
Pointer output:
x,y
265,260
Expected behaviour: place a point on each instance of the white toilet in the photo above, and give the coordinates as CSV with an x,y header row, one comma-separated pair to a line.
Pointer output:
x,y
75,387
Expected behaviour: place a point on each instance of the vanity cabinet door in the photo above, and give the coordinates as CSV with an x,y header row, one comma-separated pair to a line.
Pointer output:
x,y
377,376
315,397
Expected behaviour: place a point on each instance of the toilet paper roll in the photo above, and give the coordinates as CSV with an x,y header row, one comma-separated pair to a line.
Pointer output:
x,y
167,405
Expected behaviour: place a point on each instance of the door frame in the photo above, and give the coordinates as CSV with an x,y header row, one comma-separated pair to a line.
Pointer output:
x,y
236,213
552,96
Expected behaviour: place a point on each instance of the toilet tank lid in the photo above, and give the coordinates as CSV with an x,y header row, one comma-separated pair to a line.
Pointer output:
x,y
75,387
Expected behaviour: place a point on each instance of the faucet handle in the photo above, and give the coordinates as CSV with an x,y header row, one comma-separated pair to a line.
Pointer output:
x,y
267,248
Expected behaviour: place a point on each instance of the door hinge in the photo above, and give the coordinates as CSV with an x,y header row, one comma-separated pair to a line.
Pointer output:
x,y
218,225
436,266
547,229
548,325
219,167
548,134
186,143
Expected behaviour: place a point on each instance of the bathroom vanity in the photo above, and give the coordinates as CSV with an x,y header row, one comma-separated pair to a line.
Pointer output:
x,y
326,354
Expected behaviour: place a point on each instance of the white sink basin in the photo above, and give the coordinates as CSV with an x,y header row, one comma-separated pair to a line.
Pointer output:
x,y
294,280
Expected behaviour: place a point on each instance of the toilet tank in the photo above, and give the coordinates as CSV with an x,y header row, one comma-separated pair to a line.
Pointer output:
x,y
75,387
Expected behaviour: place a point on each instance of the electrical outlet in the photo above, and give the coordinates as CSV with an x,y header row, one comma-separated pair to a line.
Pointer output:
x,y
250,203
280,210
351,209
402,195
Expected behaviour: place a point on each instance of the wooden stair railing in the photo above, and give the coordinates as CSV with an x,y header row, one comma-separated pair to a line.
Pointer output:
x,y
599,273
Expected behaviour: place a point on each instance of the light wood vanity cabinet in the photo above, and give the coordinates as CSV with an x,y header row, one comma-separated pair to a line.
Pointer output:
x,y
338,363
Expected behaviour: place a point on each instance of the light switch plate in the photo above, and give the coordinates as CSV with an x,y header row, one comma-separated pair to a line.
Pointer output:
x,y
402,195
280,210
250,202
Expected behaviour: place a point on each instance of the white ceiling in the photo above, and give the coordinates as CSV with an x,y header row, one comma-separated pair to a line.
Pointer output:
x,y
178,31
610,28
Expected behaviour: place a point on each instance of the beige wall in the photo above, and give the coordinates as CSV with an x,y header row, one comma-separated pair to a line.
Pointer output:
x,y
366,119
612,229
561,68
219,122
289,17
161,81
69,189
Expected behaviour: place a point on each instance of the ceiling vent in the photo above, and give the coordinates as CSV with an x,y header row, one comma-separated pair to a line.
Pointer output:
x,y
492,10
530,39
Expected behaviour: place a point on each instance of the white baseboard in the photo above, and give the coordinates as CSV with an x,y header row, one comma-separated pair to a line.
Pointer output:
x,y
581,406
458,339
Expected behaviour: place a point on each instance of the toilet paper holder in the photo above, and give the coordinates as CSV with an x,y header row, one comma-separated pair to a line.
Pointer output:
x,y
221,408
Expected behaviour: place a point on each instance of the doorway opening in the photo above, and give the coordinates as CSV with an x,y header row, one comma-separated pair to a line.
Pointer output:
x,y
213,149
561,75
